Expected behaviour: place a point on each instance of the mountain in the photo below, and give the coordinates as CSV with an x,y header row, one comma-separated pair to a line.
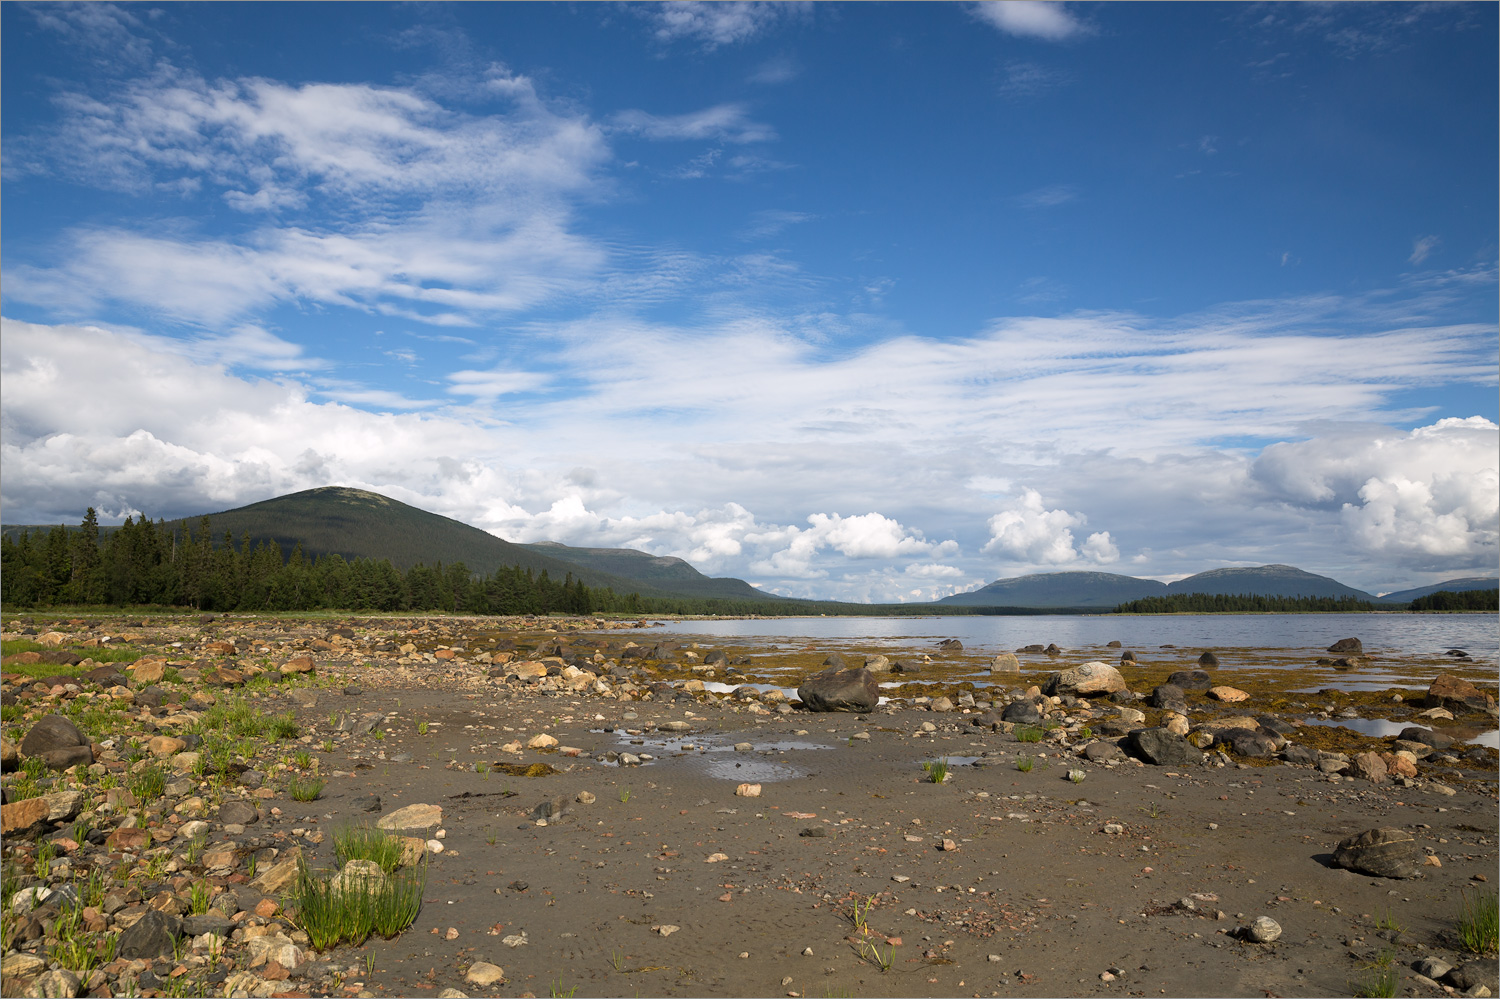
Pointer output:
x,y
1451,585
1266,581
355,523
662,572
1059,589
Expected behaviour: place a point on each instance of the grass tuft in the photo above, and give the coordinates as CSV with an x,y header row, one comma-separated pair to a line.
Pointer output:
x,y
307,790
366,843
1479,922
331,914
937,770
1028,733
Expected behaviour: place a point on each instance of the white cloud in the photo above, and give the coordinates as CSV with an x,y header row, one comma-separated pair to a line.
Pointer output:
x,y
771,221
1424,498
1422,248
1029,533
716,24
1027,79
1047,197
374,198
720,123
1029,18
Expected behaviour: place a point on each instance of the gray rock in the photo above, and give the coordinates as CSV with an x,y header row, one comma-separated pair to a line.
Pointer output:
x,y
149,937
1432,967
1484,972
50,733
1263,930
1102,752
1006,662
213,921
1168,697
241,813
1384,853
1190,679
1093,679
1244,742
55,984
69,756
1301,755
1161,747
1021,713
1208,659
840,690
1347,647
1427,737
367,802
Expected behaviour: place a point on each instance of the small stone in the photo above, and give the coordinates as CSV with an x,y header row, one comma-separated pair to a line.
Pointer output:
x,y
807,952
1229,695
665,929
451,934
541,741
748,791
585,798
417,817
483,974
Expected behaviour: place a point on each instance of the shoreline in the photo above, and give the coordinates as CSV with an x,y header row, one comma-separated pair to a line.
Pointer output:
x,y
1132,879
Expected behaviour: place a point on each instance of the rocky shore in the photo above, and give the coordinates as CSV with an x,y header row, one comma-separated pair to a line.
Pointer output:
x,y
584,807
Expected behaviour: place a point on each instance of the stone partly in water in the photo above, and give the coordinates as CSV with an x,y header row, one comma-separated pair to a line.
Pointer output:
x,y
1190,679
1006,662
1161,747
1208,659
1445,692
840,690
1384,853
1347,647
1094,679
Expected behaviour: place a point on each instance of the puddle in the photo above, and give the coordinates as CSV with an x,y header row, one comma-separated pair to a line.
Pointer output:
x,y
717,757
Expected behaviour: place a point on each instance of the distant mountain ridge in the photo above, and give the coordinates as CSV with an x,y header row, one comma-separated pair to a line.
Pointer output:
x,y
357,523
1451,585
1103,589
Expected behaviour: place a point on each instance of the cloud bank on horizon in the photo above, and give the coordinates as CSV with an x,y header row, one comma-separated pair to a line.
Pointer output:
x,y
865,303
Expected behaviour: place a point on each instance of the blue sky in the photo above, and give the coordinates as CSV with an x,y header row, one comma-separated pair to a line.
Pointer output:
x,y
861,302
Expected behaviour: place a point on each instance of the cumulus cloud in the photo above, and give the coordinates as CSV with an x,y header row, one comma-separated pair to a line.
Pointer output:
x,y
1030,533
1044,19
1425,498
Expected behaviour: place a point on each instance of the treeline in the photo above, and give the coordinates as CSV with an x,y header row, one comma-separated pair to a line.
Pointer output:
x,y
141,563
1464,600
1221,603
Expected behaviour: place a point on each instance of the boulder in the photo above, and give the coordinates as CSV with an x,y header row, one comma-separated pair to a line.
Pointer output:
x,y
1301,755
1021,713
1127,657
1445,692
1102,752
1094,679
1031,649
149,937
50,733
951,645
836,660
1383,853
840,690
1244,742
242,813
1190,679
1208,659
58,982
148,671
1228,695
1426,736
1347,647
412,818
1168,697
1471,973
1006,662
24,818
878,664
10,759
1161,747
1369,766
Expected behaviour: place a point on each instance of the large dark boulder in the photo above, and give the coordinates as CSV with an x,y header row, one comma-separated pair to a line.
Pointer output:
x,y
1190,679
150,937
1426,736
1301,755
1347,647
1246,742
1161,747
836,660
52,732
1168,697
1208,659
68,756
840,690
1383,853
1483,971
1021,713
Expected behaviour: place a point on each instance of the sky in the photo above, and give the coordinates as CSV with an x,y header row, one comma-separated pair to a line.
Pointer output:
x,y
870,302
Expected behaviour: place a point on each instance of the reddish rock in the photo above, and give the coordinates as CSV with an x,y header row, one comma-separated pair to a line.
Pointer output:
x,y
1456,695
134,838
298,664
1369,766
23,818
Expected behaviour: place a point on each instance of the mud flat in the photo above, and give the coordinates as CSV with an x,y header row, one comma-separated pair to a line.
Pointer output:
x,y
594,830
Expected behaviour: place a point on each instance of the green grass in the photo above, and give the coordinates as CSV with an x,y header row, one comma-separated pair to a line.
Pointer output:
x,y
881,959
624,795
306,790
1025,764
285,726
198,898
1387,921
1380,978
148,784
556,991
937,770
330,916
1028,733
302,758
366,843
1479,922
